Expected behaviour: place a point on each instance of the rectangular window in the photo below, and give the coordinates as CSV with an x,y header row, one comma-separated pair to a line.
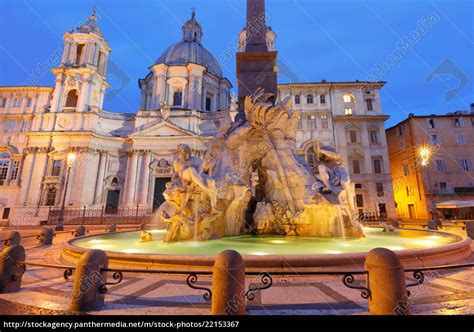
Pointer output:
x,y
406,170
50,196
465,165
441,166
177,98
460,138
400,130
379,188
353,136
443,187
324,122
459,122
355,167
369,102
3,102
309,99
377,166
434,139
300,123
79,52
431,123
297,99
409,190
24,126
15,168
11,126
16,102
402,144
360,200
322,99
311,122
56,169
374,136
6,213
348,111
4,165
208,104
28,102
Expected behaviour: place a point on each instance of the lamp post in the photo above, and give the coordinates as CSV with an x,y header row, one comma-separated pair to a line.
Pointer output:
x,y
71,158
425,153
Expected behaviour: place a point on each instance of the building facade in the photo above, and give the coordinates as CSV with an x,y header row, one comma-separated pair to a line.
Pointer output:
x,y
124,160
347,116
447,172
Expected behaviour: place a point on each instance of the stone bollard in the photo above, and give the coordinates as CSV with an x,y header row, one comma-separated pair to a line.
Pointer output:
x,y
12,239
470,229
46,236
88,279
432,225
10,271
387,283
80,231
228,284
111,228
395,224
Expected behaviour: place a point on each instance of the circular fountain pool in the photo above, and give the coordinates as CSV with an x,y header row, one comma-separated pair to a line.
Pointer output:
x,y
414,247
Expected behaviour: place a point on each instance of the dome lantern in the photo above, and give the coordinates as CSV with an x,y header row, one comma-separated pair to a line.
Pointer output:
x,y
192,31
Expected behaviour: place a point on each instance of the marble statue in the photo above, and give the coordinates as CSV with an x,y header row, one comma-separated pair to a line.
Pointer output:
x,y
210,197
335,177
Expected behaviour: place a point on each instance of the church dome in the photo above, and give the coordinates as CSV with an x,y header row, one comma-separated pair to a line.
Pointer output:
x,y
190,50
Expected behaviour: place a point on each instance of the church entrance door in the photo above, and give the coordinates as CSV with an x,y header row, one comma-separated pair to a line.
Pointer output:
x,y
160,186
112,201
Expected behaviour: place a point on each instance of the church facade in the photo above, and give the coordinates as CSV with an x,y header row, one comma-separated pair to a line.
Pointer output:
x,y
124,160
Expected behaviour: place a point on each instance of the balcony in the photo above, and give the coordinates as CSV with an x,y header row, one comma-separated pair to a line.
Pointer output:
x,y
69,109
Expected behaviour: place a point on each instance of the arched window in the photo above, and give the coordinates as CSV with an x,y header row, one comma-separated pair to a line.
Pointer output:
x,y
8,168
348,98
71,100
309,99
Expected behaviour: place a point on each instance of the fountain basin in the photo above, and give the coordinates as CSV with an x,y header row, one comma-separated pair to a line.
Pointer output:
x,y
414,247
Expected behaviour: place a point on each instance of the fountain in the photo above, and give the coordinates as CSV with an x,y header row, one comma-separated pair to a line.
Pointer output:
x,y
303,221
295,219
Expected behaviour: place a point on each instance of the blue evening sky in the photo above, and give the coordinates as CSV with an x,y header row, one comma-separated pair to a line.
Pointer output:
x,y
424,49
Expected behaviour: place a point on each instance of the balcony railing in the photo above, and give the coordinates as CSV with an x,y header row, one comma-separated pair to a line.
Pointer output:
x,y
69,109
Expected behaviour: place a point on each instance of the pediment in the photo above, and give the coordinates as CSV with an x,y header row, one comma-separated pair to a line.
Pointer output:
x,y
162,129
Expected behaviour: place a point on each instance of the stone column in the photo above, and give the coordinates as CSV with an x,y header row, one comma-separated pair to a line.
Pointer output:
x,y
25,176
387,283
99,181
131,177
41,162
145,179
90,171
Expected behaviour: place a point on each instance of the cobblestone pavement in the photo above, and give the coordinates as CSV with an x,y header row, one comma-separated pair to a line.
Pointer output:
x,y
44,291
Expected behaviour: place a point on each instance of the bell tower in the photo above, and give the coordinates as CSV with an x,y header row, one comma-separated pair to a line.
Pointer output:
x,y
81,75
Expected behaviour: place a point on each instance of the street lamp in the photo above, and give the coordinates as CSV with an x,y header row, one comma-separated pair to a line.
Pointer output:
x,y
425,153
71,158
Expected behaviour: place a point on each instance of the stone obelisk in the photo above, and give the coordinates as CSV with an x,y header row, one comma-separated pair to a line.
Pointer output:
x,y
256,67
